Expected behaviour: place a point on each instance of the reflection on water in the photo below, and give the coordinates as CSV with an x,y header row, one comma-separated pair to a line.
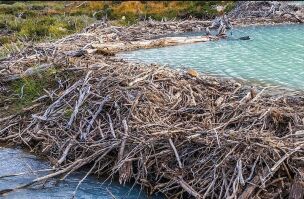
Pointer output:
x,y
14,161
275,55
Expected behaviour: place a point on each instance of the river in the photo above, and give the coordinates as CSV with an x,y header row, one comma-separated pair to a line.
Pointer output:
x,y
15,161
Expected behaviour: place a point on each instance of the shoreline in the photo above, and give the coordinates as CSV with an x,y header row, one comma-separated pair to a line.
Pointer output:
x,y
272,88
97,41
164,40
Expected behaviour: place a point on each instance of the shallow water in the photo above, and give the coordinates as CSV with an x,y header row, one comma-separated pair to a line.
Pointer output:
x,y
274,56
14,161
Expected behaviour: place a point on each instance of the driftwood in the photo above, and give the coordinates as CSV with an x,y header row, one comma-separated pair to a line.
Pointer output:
x,y
222,24
110,48
263,10
293,15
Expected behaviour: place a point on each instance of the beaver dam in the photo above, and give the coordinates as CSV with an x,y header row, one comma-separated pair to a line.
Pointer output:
x,y
173,132
177,132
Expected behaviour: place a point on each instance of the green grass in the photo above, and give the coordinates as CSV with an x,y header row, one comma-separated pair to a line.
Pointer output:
x,y
9,48
23,92
42,27
52,26
37,21
30,88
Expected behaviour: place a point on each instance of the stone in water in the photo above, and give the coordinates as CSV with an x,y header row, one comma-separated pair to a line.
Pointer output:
x,y
192,73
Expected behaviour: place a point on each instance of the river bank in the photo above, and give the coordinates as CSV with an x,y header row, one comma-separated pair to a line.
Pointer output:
x,y
177,132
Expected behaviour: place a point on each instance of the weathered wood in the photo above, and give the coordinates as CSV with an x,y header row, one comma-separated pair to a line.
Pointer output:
x,y
293,15
162,42
297,189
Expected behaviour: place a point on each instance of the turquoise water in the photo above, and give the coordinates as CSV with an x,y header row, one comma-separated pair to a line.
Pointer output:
x,y
274,56
14,161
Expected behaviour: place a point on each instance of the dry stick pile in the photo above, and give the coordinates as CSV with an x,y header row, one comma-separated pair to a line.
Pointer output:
x,y
246,12
169,131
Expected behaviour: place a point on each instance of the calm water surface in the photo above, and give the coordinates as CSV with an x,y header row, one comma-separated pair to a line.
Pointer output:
x,y
275,55
14,161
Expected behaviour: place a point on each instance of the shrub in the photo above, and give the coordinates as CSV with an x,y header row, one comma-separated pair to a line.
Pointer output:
x,y
35,28
58,30
13,9
14,24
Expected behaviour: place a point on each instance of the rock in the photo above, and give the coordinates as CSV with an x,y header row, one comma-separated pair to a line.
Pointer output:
x,y
192,72
244,38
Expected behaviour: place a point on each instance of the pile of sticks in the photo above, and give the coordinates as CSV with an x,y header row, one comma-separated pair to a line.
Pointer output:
x,y
278,11
102,34
183,134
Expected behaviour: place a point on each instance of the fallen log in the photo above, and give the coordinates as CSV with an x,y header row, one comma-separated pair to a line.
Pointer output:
x,y
162,42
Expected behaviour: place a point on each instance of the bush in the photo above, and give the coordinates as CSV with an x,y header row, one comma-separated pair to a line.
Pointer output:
x,y
58,30
14,24
13,9
35,28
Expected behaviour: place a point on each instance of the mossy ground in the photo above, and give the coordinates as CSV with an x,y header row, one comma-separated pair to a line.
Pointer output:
x,y
23,93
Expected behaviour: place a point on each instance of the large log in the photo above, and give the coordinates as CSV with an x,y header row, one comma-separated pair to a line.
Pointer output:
x,y
162,42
